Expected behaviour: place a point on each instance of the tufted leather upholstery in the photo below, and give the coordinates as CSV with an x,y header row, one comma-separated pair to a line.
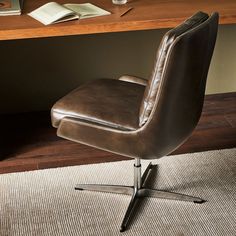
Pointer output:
x,y
105,113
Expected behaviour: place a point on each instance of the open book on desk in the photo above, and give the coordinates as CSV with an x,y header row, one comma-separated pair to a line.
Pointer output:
x,y
53,12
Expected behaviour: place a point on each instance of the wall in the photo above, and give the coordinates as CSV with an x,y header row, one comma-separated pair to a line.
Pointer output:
x,y
36,72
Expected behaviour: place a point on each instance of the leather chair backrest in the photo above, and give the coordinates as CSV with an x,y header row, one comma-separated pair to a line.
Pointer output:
x,y
153,84
179,99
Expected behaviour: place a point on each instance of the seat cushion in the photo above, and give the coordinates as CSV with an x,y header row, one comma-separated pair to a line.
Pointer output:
x,y
153,84
108,102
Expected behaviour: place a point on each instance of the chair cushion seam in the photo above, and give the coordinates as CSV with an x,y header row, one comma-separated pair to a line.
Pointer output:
x,y
95,121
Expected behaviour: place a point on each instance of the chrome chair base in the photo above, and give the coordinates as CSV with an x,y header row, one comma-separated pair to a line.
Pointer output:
x,y
138,191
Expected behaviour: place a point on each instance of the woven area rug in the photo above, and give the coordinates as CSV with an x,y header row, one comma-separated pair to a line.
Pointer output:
x,y
45,203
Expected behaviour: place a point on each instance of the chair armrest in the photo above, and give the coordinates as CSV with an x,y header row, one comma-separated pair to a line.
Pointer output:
x,y
134,79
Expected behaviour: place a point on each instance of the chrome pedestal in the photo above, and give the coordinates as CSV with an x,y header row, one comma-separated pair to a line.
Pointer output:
x,y
137,191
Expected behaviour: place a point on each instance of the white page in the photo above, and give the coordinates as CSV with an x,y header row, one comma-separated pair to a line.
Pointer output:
x,y
86,10
51,12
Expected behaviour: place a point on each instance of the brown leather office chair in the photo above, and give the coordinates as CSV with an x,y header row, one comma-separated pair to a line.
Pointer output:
x,y
144,119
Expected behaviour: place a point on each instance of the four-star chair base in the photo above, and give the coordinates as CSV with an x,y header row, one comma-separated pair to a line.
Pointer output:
x,y
137,191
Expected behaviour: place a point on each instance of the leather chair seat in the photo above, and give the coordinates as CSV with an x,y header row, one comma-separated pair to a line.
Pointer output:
x,y
109,102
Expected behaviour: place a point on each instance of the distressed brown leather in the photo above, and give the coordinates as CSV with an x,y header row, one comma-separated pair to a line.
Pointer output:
x,y
177,105
153,84
134,79
108,102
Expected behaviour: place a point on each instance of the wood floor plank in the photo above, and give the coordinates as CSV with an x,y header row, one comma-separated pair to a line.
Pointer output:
x,y
28,142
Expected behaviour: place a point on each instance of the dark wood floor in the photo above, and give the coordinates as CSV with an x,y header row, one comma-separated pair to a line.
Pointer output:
x,y
28,142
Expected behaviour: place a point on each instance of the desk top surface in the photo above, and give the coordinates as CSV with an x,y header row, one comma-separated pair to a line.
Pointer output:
x,y
146,14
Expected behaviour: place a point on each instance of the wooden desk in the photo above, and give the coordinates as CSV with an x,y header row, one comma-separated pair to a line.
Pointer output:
x,y
147,14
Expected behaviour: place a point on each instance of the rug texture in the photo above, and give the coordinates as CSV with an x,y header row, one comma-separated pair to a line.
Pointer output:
x,y
45,203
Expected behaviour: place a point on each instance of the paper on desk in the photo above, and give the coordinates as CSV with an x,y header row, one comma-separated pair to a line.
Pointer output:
x,y
53,12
